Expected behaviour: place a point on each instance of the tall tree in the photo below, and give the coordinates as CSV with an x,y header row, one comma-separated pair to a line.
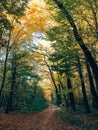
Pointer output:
x,y
79,39
13,84
85,99
92,86
58,97
71,96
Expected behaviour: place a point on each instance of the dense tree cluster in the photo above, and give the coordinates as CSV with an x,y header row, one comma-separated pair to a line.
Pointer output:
x,y
73,58
69,63
19,80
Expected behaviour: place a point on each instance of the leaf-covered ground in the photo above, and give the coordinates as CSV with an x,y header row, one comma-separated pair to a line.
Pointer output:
x,y
45,120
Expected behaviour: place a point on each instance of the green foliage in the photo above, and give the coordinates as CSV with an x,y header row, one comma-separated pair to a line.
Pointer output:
x,y
13,8
64,55
26,95
29,100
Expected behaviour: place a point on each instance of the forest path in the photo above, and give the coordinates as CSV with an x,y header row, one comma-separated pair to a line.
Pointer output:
x,y
45,120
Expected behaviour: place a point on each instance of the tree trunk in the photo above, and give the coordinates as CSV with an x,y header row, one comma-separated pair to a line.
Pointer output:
x,y
60,95
10,99
5,64
53,80
4,73
80,41
65,98
92,86
85,100
71,96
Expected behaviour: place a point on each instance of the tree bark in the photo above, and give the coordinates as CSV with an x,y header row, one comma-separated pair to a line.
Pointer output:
x,y
10,98
92,86
71,96
4,71
65,99
53,80
5,64
85,100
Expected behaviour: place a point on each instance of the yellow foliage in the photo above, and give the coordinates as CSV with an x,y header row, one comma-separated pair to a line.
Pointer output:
x,y
35,19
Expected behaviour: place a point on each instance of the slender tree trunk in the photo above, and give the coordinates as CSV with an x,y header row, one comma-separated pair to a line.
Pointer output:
x,y
92,86
60,95
5,64
71,96
80,40
85,100
65,99
53,80
10,99
4,73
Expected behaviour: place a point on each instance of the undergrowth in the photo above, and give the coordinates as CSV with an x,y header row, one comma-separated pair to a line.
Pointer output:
x,y
79,120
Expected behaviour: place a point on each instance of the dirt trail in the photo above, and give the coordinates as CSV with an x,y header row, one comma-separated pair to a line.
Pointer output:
x,y
45,120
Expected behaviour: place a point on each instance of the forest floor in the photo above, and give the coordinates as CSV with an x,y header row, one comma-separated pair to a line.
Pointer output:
x,y
45,120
